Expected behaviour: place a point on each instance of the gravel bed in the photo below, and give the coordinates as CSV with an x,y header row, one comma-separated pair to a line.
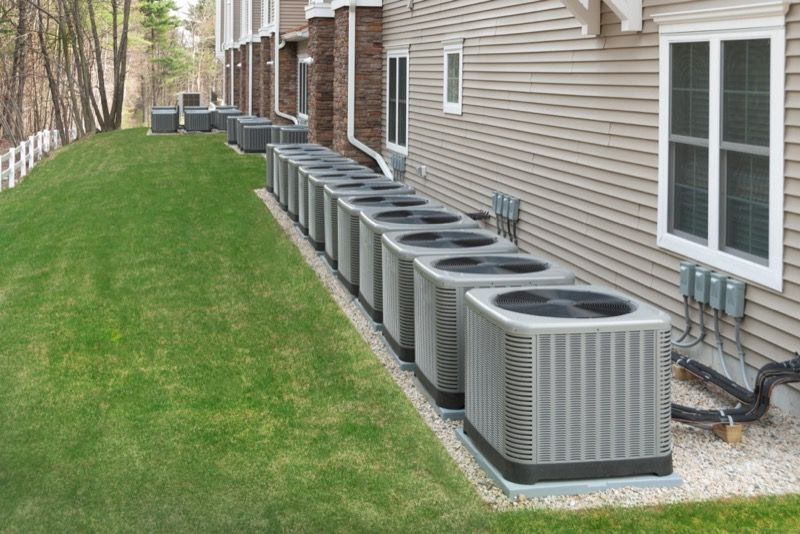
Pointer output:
x,y
710,468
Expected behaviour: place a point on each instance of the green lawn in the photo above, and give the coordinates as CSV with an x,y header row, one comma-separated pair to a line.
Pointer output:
x,y
169,363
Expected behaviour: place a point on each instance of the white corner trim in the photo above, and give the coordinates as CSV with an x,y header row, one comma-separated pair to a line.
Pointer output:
x,y
337,4
771,13
319,11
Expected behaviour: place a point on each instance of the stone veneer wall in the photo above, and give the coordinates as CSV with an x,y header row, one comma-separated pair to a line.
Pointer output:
x,y
288,82
369,81
320,81
257,67
241,75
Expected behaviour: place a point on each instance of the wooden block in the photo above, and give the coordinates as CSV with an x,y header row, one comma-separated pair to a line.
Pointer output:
x,y
728,433
680,373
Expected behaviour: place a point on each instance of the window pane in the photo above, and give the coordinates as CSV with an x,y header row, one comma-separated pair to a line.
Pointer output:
x,y
453,77
689,89
401,100
392,126
747,203
746,85
689,199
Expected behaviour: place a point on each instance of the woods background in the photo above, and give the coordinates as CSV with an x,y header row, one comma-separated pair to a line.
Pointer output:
x,y
96,65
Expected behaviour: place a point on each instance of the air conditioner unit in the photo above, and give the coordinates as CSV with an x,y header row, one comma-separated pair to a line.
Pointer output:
x,y
164,120
349,229
215,115
316,198
233,126
273,169
294,184
294,134
440,283
255,136
219,117
350,188
567,383
288,191
302,185
375,223
282,167
197,120
187,100
253,121
400,249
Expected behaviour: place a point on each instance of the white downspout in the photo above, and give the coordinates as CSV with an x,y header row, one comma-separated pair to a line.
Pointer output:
x,y
276,66
250,77
351,95
233,76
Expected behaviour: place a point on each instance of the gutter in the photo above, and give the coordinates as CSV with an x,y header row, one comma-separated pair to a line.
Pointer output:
x,y
276,66
351,95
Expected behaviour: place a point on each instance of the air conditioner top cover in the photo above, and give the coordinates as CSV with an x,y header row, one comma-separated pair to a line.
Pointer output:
x,y
308,147
378,187
393,219
564,309
411,244
380,202
324,176
494,270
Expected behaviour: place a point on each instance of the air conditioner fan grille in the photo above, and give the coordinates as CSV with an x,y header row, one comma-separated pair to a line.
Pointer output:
x,y
447,240
491,265
563,303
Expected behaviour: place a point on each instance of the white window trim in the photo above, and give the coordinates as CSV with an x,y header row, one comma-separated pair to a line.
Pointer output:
x,y
400,52
770,275
453,47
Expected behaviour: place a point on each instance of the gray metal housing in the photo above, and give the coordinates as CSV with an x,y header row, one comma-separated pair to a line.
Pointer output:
x,y
255,137
439,313
372,227
349,229
302,184
197,120
164,120
317,181
251,121
294,184
215,122
288,188
399,253
294,134
281,168
351,188
557,399
233,124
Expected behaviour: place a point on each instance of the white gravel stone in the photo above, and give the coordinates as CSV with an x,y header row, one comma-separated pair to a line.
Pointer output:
x,y
763,464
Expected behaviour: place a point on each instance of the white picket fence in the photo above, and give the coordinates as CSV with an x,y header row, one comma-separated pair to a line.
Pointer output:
x,y
18,161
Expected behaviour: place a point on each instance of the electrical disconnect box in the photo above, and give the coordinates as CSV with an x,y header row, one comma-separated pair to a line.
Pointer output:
x,y
717,291
734,302
701,285
687,279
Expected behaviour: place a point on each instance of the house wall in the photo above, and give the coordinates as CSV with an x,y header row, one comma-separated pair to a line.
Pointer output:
x,y
288,82
293,14
320,81
569,124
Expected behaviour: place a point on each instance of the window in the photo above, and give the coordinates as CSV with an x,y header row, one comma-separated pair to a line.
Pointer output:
x,y
302,88
453,54
721,149
397,102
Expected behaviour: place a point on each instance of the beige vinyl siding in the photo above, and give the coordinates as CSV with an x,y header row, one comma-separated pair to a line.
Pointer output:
x,y
237,20
570,125
293,14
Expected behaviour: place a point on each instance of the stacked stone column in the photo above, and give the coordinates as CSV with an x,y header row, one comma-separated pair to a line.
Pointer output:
x,y
264,77
320,80
369,81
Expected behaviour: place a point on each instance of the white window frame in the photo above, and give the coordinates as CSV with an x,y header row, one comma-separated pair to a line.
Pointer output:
x,y
708,26
398,53
302,61
455,46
